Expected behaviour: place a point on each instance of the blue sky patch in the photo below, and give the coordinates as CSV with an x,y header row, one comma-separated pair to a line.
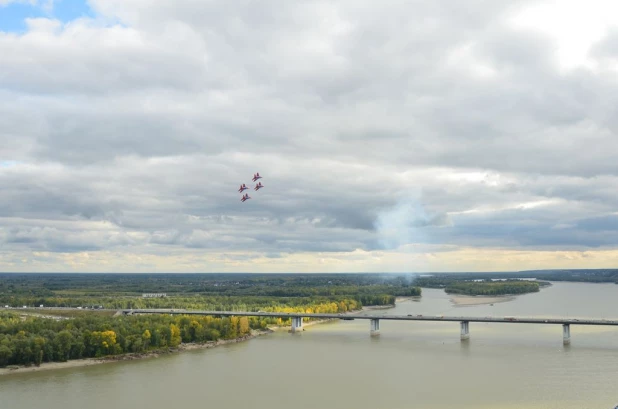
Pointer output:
x,y
13,15
67,10
8,163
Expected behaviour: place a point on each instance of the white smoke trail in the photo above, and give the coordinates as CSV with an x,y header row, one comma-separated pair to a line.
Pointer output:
x,y
405,226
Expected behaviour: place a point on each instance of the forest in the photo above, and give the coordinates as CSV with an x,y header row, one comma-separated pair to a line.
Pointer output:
x,y
456,285
37,340
586,276
247,292
28,340
492,288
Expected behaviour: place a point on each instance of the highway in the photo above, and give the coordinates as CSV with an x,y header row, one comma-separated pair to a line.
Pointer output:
x,y
509,320
297,318
346,316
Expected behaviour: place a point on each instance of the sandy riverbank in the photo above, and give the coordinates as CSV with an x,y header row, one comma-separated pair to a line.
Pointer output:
x,y
409,298
374,307
153,354
129,357
465,300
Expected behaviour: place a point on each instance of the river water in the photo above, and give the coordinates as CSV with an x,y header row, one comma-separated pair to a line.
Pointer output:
x,y
338,365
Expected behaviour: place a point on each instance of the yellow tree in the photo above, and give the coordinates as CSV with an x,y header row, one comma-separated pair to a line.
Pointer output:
x,y
195,329
233,331
104,341
146,339
243,326
176,339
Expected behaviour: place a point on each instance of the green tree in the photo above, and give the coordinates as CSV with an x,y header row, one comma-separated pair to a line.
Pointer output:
x,y
63,343
5,355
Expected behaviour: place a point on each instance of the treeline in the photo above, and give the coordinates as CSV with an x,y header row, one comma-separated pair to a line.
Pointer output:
x,y
464,284
584,276
578,275
198,302
203,291
35,340
333,291
344,305
434,282
94,284
38,340
492,288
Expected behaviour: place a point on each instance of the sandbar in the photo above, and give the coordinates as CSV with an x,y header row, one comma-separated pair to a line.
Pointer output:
x,y
466,300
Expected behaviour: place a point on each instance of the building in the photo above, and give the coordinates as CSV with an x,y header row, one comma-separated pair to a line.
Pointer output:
x,y
154,295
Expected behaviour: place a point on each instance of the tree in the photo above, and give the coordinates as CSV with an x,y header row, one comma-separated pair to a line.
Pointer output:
x,y
38,343
63,343
5,355
243,326
146,339
175,338
104,342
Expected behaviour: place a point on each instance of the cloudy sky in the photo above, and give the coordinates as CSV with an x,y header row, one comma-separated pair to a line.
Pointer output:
x,y
400,135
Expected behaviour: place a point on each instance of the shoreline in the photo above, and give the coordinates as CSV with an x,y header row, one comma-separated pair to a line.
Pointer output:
x,y
462,300
408,298
373,307
77,363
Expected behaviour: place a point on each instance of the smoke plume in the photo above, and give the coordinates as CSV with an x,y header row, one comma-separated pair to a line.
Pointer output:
x,y
407,227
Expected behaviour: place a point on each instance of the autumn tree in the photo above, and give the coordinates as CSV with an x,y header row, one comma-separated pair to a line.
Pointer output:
x,y
146,339
243,326
175,338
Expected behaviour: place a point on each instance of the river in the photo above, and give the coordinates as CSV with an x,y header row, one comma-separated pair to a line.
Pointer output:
x,y
338,365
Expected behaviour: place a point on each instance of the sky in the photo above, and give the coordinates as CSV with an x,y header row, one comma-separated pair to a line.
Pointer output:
x,y
392,136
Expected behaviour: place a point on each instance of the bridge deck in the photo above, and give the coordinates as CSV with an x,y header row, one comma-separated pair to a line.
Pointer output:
x,y
509,320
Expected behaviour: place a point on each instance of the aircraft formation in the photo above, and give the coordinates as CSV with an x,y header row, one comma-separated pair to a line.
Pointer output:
x,y
244,187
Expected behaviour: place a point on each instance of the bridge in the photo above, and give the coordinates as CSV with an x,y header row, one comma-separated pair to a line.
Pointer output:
x,y
374,321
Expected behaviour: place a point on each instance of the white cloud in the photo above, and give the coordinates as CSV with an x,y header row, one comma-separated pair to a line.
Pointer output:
x,y
7,2
47,5
574,25
410,134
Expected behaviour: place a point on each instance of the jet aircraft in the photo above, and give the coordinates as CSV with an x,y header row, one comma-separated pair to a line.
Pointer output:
x,y
256,177
242,187
245,197
258,186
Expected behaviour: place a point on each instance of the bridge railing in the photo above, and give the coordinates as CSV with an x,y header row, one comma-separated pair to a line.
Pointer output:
x,y
297,319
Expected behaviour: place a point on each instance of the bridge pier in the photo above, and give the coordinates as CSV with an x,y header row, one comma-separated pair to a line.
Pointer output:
x,y
374,326
297,324
566,334
465,330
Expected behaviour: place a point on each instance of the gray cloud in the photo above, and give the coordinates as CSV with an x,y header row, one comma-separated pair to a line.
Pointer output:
x,y
373,127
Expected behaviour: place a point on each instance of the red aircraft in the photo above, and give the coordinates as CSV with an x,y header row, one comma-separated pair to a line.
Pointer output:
x,y
242,187
258,186
245,197
256,177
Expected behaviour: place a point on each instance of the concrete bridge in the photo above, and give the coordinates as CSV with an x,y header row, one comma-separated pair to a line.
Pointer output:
x,y
374,321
